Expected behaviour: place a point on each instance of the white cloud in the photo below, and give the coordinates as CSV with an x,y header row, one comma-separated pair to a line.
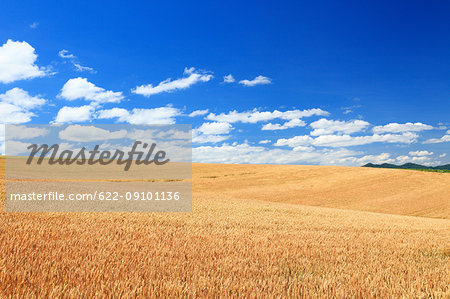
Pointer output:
x,y
202,138
211,132
296,141
293,123
21,98
25,132
245,153
228,79
215,128
199,113
398,128
192,77
17,62
119,113
81,68
170,135
81,88
403,159
376,159
80,133
260,80
266,141
303,149
384,158
442,155
2,139
346,140
415,159
350,109
445,138
34,25
74,114
14,148
66,54
13,114
255,116
327,127
421,160
421,153
15,106
161,115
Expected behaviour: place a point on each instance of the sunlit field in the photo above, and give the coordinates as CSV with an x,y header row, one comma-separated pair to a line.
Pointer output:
x,y
272,230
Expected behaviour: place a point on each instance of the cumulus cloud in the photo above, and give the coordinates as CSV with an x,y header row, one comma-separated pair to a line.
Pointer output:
x,y
161,115
383,158
399,128
215,128
119,113
346,140
376,159
266,141
255,116
421,153
199,113
192,76
15,148
171,135
211,132
228,79
74,114
293,123
442,155
16,105
2,139
415,159
25,132
13,114
202,138
81,88
17,62
34,25
245,153
80,133
327,127
259,80
21,98
295,141
445,138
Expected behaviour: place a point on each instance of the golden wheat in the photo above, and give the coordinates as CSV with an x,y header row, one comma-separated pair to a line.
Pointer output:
x,y
227,247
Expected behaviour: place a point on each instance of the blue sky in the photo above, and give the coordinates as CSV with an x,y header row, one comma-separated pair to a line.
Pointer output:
x,y
317,82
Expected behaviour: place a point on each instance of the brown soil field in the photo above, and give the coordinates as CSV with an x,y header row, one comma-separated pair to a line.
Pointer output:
x,y
255,231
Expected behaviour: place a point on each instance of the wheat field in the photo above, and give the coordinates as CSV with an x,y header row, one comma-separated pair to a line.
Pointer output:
x,y
239,242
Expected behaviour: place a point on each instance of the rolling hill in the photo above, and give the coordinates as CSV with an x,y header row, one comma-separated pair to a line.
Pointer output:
x,y
391,191
408,166
284,231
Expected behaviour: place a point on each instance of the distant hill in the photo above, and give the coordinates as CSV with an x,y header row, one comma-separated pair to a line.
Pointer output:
x,y
408,166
